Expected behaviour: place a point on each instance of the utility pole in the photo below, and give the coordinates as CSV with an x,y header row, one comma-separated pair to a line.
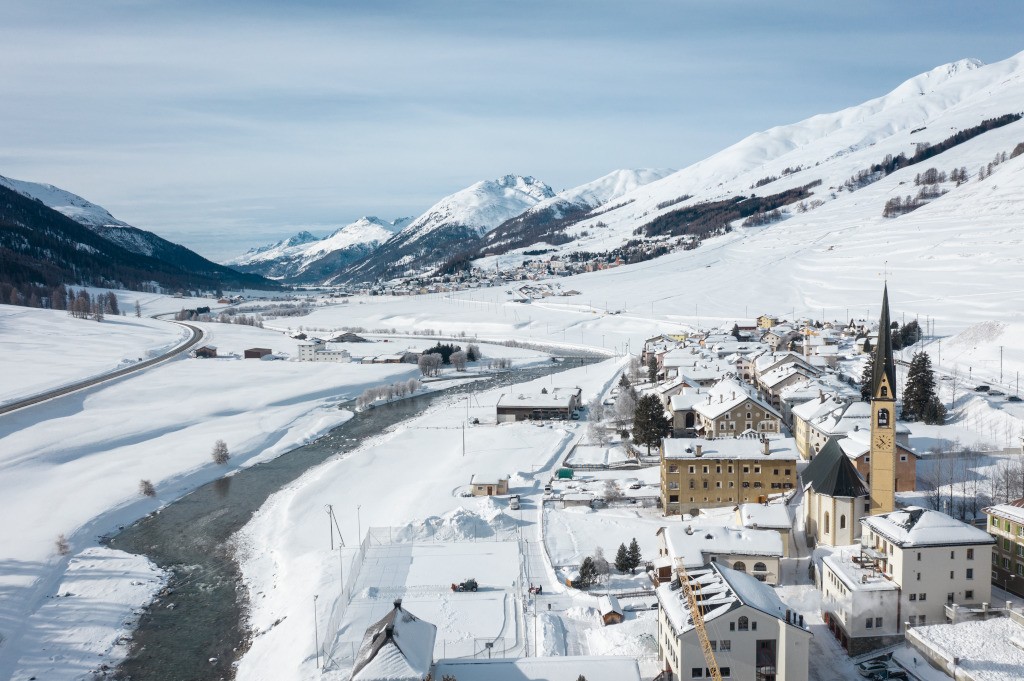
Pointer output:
x,y
1000,363
316,632
330,524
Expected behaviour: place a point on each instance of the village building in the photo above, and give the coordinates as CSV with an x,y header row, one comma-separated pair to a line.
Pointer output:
x,y
700,473
397,647
818,389
557,403
857,446
205,352
775,516
979,650
319,352
729,410
753,634
767,321
559,668
256,353
911,568
694,543
487,485
846,420
681,407
611,611
1006,525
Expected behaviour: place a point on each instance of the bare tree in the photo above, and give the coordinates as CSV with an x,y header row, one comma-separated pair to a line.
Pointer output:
x,y
138,309
595,409
625,405
220,453
146,488
597,434
413,385
430,364
459,360
62,546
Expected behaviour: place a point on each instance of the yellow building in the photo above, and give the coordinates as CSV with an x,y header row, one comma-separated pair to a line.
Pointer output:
x,y
698,473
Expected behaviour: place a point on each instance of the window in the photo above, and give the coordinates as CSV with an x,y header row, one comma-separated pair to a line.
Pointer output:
x,y
952,555
746,484
922,597
718,484
705,484
920,620
696,672
693,469
705,470
714,645
757,470
787,471
913,597
726,672
903,457
757,484
867,506
673,498
673,485
1020,550
827,523
753,625
732,426
775,471
912,620
693,484
968,595
725,644
869,623
970,573
883,414
732,626
949,597
919,558
730,469
744,624
919,576
731,484
878,623
1020,569
842,522
951,574
1006,563
746,469
673,468
718,469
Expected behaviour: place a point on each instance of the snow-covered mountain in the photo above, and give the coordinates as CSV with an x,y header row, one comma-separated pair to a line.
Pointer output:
x,y
543,221
453,224
139,242
304,258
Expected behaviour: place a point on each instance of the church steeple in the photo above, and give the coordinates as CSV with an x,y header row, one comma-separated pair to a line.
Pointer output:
x,y
884,367
882,479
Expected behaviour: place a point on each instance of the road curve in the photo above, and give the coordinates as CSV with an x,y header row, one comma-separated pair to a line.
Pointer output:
x,y
196,336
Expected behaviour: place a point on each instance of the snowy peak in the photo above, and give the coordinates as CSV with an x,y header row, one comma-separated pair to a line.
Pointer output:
x,y
73,206
604,189
481,206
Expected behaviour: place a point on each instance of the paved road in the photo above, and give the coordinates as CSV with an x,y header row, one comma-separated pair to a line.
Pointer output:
x,y
196,336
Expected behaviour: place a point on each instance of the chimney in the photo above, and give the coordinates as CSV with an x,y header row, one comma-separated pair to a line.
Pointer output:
x,y
398,603
721,398
389,631
689,529
698,450
821,397
734,394
766,446
789,614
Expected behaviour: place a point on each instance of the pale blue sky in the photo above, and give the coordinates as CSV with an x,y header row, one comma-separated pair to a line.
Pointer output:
x,y
231,125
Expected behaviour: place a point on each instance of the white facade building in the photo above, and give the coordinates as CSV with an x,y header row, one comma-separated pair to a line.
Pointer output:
x,y
754,634
909,565
318,352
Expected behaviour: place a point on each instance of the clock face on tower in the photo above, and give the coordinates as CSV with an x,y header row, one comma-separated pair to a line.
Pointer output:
x,y
883,441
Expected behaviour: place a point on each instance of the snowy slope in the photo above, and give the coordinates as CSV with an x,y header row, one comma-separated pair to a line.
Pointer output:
x,y
832,147
75,207
303,257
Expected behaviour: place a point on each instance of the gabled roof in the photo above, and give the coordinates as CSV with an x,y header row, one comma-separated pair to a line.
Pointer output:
x,y
397,647
920,527
1012,511
833,474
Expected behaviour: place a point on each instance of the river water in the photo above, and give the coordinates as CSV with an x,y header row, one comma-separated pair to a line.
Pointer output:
x,y
194,631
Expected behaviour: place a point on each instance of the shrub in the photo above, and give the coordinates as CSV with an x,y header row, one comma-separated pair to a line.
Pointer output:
x,y
62,545
146,488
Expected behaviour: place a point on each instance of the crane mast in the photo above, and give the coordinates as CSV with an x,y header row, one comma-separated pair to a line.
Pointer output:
x,y
698,623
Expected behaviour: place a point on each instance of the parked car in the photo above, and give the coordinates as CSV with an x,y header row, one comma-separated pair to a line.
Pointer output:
x,y
513,502
982,388
996,393
636,485
867,669
889,674
1013,398
547,487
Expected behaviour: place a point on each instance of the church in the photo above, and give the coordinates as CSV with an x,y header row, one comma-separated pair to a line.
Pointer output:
x,y
837,495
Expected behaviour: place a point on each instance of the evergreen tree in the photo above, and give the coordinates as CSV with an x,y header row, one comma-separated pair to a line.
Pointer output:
x,y
649,422
624,381
588,573
622,559
920,388
652,368
935,412
865,379
220,452
910,333
633,553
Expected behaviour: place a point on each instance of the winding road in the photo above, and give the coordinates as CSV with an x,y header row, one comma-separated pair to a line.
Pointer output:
x,y
195,337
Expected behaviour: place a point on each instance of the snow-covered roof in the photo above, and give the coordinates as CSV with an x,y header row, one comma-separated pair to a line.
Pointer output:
x,y
607,605
561,668
693,543
765,516
719,590
398,647
857,443
1013,511
556,398
855,576
686,399
488,478
916,526
784,373
779,448
725,396
992,649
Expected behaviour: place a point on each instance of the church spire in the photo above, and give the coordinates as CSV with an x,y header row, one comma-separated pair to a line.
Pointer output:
x,y
884,367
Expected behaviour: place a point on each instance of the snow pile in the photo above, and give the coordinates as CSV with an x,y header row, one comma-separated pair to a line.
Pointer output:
x,y
635,637
459,524
552,635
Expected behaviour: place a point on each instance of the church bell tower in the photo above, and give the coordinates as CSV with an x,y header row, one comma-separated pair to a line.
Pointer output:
x,y
883,418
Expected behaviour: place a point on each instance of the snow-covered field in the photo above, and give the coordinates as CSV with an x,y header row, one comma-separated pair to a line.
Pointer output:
x,y
46,349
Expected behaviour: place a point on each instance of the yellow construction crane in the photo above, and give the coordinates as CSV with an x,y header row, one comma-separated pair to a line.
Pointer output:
x,y
698,623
